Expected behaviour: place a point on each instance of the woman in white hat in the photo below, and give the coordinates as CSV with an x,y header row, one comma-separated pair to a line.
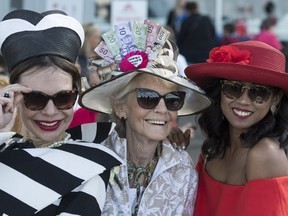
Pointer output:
x,y
43,170
243,168
144,98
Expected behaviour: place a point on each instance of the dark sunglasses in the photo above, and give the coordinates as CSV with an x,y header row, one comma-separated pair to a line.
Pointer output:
x,y
149,99
257,93
62,100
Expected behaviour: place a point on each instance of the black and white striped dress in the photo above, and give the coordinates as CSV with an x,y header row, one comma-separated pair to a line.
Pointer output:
x,y
67,180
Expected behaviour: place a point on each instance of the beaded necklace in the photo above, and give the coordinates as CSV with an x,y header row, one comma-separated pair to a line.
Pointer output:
x,y
17,141
59,143
136,172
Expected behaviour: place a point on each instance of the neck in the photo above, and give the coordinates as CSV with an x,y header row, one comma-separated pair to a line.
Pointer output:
x,y
142,153
235,141
39,143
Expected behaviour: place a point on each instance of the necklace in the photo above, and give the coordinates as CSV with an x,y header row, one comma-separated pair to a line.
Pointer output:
x,y
59,143
134,175
135,172
138,175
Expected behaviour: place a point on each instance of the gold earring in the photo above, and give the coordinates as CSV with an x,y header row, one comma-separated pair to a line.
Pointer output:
x,y
273,109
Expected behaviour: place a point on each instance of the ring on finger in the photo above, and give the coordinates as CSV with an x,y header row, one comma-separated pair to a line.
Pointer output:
x,y
6,95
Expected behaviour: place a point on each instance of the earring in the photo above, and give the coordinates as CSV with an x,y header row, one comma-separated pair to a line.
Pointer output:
x,y
273,109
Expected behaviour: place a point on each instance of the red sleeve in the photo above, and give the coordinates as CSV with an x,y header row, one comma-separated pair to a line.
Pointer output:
x,y
264,197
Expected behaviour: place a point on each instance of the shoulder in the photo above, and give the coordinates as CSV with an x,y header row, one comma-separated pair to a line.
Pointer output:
x,y
92,132
179,163
204,18
4,136
266,160
173,156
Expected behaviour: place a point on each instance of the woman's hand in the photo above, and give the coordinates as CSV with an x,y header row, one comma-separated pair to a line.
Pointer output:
x,y
179,137
9,98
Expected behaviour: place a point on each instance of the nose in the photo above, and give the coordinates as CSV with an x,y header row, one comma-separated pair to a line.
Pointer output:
x,y
161,107
50,108
244,98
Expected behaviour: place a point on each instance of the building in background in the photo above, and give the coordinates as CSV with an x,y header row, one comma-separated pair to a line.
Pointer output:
x,y
250,13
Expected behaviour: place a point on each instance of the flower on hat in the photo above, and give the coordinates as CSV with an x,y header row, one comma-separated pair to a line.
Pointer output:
x,y
229,54
134,60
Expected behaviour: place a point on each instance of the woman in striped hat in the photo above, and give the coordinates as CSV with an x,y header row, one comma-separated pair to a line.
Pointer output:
x,y
44,171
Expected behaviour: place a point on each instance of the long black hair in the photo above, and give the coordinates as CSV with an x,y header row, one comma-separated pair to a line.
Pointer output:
x,y
216,126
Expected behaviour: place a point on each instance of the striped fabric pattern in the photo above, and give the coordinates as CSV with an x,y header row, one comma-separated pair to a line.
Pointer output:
x,y
67,180
92,132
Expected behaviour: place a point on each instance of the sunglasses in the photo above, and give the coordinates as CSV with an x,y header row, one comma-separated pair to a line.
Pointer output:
x,y
149,99
62,100
257,93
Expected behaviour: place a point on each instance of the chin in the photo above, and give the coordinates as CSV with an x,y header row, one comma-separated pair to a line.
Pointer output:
x,y
158,138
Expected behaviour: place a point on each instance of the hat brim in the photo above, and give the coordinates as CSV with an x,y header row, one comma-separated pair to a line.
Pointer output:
x,y
205,73
98,98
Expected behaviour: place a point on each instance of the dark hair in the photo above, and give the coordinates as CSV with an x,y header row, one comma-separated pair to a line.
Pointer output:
x,y
47,61
4,66
215,126
191,6
269,7
229,27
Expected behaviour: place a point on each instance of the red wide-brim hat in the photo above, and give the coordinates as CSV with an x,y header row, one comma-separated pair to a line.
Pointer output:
x,y
248,61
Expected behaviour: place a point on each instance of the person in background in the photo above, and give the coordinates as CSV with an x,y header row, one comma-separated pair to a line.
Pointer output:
x,y
44,171
176,16
229,34
196,36
243,168
92,39
269,9
144,101
267,34
181,60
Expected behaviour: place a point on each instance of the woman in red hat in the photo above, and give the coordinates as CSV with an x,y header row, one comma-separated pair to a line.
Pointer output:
x,y
243,168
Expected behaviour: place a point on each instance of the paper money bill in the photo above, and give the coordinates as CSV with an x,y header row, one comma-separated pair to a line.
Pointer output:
x,y
162,37
152,32
111,40
139,31
103,51
125,38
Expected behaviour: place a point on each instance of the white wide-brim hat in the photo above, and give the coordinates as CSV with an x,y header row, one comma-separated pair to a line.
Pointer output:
x,y
98,98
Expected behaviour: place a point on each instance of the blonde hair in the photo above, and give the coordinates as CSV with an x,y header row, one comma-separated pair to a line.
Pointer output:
x,y
89,29
4,81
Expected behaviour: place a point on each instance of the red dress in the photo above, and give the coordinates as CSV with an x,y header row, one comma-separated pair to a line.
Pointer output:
x,y
264,197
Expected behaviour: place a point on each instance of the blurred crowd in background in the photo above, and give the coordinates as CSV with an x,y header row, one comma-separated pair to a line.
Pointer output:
x,y
192,25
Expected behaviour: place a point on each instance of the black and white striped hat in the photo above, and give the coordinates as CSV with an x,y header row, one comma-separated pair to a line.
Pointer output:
x,y
25,34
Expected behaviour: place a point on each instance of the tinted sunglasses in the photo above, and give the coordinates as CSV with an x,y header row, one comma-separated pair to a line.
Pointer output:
x,y
257,93
149,99
62,100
